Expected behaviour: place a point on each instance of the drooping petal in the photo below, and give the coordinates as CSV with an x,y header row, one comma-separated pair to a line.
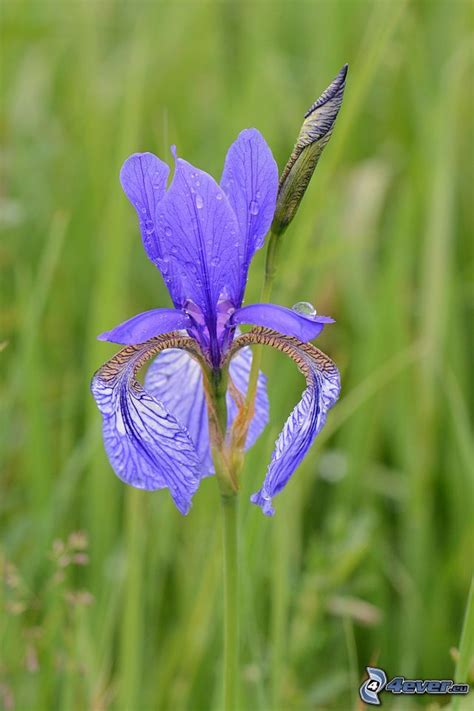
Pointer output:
x,y
200,231
281,319
250,181
306,419
147,447
172,368
175,378
146,325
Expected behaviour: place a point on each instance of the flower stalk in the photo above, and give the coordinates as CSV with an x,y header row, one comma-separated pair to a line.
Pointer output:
x,y
227,479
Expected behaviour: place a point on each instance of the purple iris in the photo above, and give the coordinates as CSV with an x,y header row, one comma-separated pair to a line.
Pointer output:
x,y
202,237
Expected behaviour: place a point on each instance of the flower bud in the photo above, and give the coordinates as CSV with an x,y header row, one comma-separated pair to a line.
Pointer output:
x,y
314,135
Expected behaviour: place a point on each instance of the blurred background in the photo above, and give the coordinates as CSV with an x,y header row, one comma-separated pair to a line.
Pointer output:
x,y
112,600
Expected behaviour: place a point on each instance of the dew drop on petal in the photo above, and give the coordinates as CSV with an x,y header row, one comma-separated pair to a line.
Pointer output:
x,y
199,201
168,231
305,308
149,227
218,196
215,261
163,265
253,207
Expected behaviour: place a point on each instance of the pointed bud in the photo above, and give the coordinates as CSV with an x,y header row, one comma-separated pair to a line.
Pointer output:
x,y
314,135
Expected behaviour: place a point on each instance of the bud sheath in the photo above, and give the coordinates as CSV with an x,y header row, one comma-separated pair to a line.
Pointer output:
x,y
314,135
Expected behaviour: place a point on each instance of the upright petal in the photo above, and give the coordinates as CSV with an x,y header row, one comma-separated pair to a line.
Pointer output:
x,y
281,319
147,447
143,177
250,181
307,418
201,234
164,380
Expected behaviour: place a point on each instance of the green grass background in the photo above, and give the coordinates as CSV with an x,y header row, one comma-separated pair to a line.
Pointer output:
x,y
369,556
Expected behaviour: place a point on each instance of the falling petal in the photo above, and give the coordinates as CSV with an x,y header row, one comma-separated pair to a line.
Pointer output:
x,y
164,380
307,418
147,447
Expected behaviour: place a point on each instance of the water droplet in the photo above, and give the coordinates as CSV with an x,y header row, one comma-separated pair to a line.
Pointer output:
x,y
199,201
258,194
197,182
254,208
144,210
215,261
219,196
174,249
149,227
163,265
305,308
168,231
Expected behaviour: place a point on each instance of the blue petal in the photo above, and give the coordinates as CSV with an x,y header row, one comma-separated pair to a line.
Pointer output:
x,y
165,378
143,177
175,378
307,418
147,447
201,234
250,181
281,319
146,325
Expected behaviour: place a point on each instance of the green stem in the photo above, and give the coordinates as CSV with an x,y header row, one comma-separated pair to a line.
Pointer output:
x,y
228,486
229,500
271,261
219,383
231,621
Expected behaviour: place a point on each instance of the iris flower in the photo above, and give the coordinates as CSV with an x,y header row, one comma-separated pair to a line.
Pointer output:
x,y
202,236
